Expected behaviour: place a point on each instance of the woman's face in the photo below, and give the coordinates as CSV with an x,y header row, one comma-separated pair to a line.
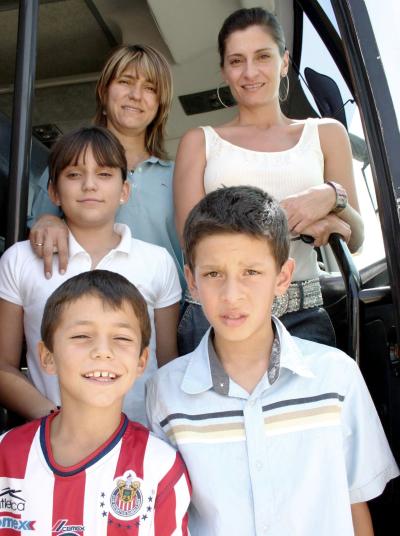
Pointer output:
x,y
253,66
131,103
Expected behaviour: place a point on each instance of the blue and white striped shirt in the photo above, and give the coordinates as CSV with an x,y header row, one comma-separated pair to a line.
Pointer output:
x,y
287,459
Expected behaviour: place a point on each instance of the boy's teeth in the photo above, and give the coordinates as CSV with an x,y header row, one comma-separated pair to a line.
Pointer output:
x,y
100,374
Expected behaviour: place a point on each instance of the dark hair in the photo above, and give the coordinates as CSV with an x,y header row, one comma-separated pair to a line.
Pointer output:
x,y
111,288
107,151
254,16
237,209
155,68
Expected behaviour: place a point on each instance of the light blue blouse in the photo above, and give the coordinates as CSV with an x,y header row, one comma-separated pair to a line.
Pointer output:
x,y
149,212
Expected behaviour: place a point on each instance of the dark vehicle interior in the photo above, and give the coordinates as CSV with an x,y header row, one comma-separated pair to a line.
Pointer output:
x,y
361,292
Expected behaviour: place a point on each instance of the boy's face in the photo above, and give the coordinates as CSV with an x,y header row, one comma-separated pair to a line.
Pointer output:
x,y
236,279
96,352
89,194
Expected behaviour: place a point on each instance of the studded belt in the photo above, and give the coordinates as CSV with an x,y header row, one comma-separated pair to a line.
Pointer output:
x,y
300,295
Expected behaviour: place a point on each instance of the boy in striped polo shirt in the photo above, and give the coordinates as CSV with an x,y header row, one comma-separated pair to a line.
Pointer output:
x,y
279,434
86,470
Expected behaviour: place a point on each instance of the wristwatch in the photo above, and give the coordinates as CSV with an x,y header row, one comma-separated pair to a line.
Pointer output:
x,y
341,197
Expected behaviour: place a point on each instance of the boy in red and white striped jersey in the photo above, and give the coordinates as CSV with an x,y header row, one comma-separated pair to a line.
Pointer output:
x,y
86,470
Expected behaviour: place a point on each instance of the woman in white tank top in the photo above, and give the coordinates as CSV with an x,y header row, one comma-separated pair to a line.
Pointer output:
x,y
306,165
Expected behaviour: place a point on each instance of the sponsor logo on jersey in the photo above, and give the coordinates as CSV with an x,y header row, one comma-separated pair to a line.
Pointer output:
x,y
126,498
8,522
11,501
63,526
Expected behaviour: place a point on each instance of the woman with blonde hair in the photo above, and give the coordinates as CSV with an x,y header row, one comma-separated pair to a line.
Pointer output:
x,y
305,164
133,99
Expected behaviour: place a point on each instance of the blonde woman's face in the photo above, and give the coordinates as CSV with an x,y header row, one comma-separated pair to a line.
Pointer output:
x,y
131,103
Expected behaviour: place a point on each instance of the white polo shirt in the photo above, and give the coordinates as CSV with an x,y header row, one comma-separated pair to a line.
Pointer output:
x,y
287,459
147,266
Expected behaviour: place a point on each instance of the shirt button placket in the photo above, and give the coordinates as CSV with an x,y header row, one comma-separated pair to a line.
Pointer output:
x,y
256,449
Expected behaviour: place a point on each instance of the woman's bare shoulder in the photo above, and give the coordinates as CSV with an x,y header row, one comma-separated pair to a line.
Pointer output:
x,y
329,124
330,130
193,137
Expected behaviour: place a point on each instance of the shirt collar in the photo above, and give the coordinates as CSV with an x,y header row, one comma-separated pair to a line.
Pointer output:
x,y
220,378
204,370
197,377
291,355
124,245
155,160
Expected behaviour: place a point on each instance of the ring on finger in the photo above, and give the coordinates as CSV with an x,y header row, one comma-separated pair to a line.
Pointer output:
x,y
38,244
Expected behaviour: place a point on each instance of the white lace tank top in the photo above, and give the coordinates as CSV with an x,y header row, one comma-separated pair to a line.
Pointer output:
x,y
280,173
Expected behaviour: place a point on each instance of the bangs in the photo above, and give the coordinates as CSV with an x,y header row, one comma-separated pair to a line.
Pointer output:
x,y
143,65
76,152
72,149
103,153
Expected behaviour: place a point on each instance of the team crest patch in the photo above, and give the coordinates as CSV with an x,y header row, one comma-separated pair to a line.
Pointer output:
x,y
126,499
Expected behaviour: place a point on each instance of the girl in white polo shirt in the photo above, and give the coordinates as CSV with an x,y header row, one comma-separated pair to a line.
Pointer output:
x,y
87,180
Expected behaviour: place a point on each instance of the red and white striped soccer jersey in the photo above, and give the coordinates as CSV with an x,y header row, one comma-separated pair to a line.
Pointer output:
x,y
134,484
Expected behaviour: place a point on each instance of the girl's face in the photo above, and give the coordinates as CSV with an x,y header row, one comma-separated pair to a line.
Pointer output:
x,y
89,193
253,66
131,102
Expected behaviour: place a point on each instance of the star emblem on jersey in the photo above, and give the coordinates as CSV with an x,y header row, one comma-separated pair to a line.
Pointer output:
x,y
128,498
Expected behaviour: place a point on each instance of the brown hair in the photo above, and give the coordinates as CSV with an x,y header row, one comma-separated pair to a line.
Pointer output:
x,y
242,19
111,288
237,209
154,67
106,148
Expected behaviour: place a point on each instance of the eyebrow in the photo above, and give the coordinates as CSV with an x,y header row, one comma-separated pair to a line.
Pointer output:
x,y
123,75
83,165
78,323
131,77
216,266
265,49
209,266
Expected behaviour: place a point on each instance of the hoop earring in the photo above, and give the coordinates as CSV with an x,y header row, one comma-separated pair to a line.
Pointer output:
x,y
219,97
285,95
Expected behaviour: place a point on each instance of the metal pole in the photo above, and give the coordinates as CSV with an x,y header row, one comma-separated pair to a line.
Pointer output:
x,y
21,135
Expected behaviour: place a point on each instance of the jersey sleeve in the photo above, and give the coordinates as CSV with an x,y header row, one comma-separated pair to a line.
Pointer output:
x,y
10,276
170,291
369,461
41,203
172,501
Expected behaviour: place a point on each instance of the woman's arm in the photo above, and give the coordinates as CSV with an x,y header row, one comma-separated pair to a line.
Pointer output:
x,y
166,325
16,392
49,235
338,167
47,228
188,176
315,203
362,522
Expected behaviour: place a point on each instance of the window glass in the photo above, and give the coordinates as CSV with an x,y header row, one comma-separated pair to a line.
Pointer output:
x,y
316,56
384,19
